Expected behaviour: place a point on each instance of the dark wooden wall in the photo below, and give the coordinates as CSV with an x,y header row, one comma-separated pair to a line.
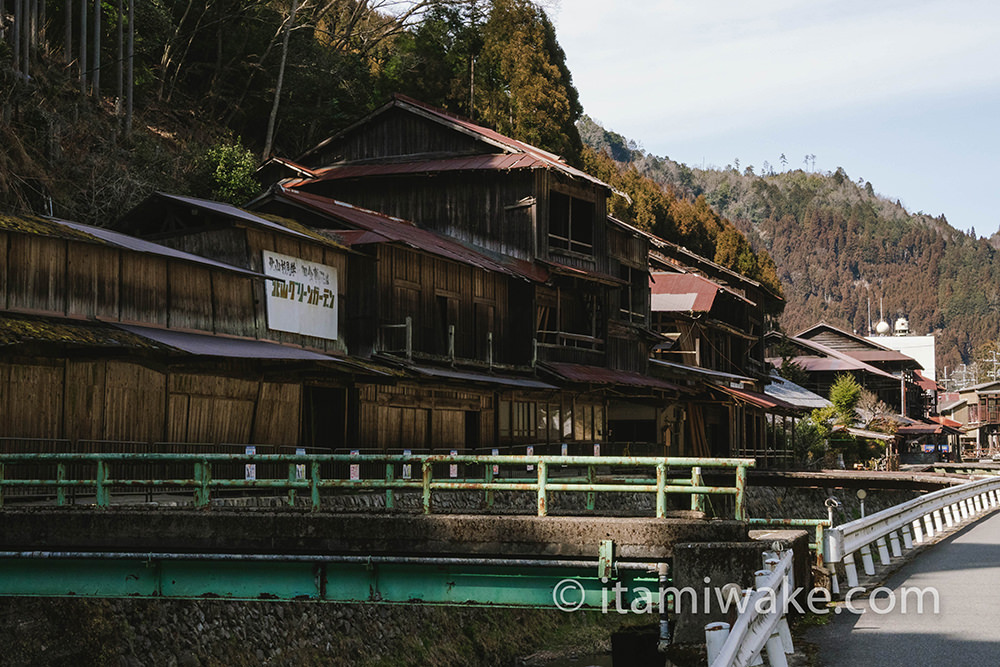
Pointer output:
x,y
105,399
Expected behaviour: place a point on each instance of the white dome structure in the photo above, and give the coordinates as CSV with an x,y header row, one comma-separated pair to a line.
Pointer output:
x,y
883,328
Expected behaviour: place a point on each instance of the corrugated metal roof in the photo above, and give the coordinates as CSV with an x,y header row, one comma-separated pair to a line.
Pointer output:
x,y
760,400
219,346
703,372
685,292
120,240
952,405
520,155
401,231
467,376
796,395
600,375
947,422
882,355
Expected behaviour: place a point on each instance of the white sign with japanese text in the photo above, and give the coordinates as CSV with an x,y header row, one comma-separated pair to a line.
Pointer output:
x,y
304,301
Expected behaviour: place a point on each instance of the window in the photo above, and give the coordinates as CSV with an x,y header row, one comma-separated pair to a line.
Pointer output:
x,y
571,224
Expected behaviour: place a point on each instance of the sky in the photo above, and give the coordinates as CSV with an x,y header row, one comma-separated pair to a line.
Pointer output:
x,y
904,94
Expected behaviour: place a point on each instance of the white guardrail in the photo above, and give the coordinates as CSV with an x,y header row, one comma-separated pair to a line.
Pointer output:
x,y
927,515
761,625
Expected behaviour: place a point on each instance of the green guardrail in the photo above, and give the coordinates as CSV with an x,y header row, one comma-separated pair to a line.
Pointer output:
x,y
402,471
818,525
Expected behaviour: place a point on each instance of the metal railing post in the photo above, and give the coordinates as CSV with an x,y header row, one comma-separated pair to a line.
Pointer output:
x,y
543,494
661,491
390,493
591,495
314,484
697,499
61,490
101,487
741,487
451,343
427,472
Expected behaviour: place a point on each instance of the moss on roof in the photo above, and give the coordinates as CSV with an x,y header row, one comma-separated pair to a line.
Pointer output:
x,y
16,330
36,225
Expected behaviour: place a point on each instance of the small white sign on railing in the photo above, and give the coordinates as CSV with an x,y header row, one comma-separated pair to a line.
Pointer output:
x,y
355,467
251,468
496,466
453,468
530,451
300,468
407,468
597,449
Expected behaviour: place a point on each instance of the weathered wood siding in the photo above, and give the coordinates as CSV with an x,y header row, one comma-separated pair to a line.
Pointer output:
x,y
52,276
436,292
477,208
114,400
409,416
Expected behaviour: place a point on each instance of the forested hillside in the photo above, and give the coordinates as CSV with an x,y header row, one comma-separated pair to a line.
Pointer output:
x,y
218,85
837,243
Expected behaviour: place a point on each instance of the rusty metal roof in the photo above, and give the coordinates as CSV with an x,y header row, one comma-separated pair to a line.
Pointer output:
x,y
525,155
759,400
686,292
490,162
599,375
384,228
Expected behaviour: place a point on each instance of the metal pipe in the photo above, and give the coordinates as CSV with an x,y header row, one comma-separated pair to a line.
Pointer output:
x,y
326,558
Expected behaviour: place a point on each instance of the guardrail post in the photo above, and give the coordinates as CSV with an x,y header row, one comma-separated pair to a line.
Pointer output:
x,y
661,491
949,520
918,531
976,507
851,570
938,523
543,494
314,481
929,525
894,543
101,487
907,538
427,472
716,635
390,493
697,499
867,561
883,551
741,487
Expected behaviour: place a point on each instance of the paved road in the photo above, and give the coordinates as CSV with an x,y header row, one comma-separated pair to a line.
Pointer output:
x,y
964,569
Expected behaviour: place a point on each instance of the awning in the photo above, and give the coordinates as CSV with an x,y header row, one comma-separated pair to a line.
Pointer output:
x,y
220,346
486,378
763,401
703,373
578,373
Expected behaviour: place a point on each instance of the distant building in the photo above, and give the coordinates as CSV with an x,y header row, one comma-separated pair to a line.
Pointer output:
x,y
920,348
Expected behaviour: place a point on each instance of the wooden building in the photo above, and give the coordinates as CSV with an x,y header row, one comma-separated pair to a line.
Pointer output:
x,y
824,352
107,337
